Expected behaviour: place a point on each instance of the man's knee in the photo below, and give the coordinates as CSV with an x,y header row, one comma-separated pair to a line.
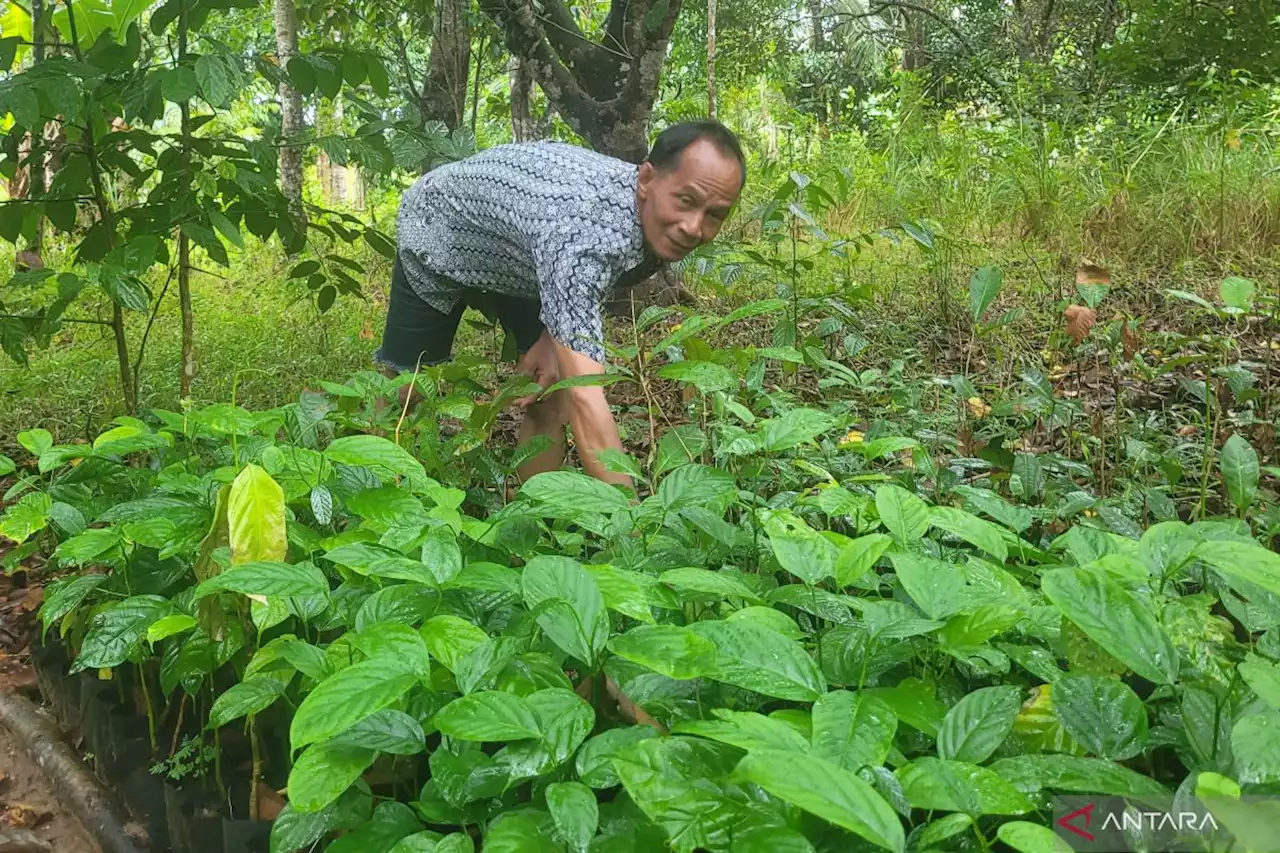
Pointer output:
x,y
548,413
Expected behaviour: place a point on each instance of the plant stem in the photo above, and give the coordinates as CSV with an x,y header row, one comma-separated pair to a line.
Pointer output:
x,y
255,776
151,714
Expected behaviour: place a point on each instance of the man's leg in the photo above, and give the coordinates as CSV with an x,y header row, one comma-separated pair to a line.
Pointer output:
x,y
415,332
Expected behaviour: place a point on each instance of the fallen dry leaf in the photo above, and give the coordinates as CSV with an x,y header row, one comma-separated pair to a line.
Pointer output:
x,y
1090,273
1130,340
978,408
1080,320
1187,430
270,803
22,816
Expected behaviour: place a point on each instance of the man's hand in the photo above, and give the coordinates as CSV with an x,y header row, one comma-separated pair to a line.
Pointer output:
x,y
541,365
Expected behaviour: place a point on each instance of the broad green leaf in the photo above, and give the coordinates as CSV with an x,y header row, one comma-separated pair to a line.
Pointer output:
x,y
1240,471
65,594
904,514
1260,674
1103,714
256,519
694,485
859,556
828,791
28,516
630,593
575,491
84,547
1027,837
268,578
387,505
420,842
1115,620
347,697
293,830
386,458
576,814
248,697
170,626
1032,773
674,781
852,730
914,703
706,376
323,772
770,618
397,644
1255,741
745,730
799,548
217,79
37,441
672,650
488,716
569,605
521,832
564,720
794,428
7,466
722,584
976,725
757,658
451,639
959,786
1246,561
984,287
938,588
391,822
117,631
388,730
770,839
975,531
594,762
1237,293
441,554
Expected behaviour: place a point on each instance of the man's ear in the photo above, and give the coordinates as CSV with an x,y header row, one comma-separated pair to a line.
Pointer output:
x,y
647,174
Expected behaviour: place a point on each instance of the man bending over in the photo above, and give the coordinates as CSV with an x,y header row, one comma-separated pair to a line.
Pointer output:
x,y
540,234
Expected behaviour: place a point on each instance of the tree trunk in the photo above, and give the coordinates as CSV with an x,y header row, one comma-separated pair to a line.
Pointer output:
x,y
524,127
711,58
187,366
291,120
32,155
444,91
604,90
818,45
338,171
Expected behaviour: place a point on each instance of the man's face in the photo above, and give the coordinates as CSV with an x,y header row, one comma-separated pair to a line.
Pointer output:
x,y
684,207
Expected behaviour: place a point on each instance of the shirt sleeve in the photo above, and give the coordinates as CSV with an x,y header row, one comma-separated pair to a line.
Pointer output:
x,y
574,278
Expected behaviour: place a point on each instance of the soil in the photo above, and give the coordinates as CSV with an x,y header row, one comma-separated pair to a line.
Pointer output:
x,y
29,803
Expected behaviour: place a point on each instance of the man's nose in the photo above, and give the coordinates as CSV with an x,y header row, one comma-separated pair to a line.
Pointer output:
x,y
691,228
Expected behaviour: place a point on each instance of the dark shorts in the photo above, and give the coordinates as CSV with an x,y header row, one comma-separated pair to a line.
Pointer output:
x,y
418,334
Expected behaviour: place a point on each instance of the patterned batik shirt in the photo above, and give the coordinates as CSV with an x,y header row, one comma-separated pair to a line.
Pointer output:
x,y
550,222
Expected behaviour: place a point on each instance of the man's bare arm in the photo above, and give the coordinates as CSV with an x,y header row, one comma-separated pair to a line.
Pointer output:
x,y
594,428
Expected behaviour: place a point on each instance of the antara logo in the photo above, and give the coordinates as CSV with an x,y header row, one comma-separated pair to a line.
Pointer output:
x,y
1067,822
1179,822
1080,821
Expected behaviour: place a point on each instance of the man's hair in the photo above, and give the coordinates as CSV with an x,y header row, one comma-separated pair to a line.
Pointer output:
x,y
671,143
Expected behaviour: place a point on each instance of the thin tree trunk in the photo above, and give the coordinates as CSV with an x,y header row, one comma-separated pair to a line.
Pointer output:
x,y
818,44
337,172
475,89
24,183
525,127
444,91
187,365
711,58
291,120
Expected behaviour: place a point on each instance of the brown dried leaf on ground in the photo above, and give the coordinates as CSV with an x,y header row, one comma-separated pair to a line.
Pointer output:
x,y
23,816
1090,273
1080,319
270,803
1130,339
